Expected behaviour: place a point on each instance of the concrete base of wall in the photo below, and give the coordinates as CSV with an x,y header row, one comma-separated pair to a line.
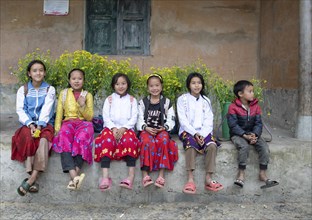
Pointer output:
x,y
290,165
280,108
304,128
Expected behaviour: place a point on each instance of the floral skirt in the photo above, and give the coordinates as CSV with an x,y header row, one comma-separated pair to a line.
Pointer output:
x,y
189,141
158,152
24,145
107,146
75,137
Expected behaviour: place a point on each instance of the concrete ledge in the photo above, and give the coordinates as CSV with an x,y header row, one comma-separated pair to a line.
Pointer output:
x,y
294,177
290,164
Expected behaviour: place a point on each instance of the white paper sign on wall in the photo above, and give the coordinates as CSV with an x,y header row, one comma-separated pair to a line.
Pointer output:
x,y
56,7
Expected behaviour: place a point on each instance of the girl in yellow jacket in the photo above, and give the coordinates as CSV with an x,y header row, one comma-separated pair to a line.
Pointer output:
x,y
73,127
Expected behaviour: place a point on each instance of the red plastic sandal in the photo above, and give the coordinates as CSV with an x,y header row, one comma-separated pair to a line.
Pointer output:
x,y
214,186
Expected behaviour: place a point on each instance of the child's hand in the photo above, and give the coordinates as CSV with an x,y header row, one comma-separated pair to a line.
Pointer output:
x,y
199,139
115,131
120,132
253,139
159,129
81,101
150,130
32,129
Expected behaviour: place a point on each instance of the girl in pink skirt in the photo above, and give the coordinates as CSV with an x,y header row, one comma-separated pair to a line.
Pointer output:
x,y
74,129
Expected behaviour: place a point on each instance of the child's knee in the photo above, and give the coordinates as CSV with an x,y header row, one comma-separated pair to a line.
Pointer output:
x,y
243,147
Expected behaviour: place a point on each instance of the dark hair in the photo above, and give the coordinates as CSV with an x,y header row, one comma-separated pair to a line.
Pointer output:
x,y
76,69
155,75
116,77
190,77
240,86
32,63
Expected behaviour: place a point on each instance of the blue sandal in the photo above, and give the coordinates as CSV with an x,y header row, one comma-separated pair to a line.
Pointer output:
x,y
25,187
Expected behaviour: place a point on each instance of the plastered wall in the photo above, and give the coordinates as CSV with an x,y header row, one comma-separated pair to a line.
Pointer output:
x,y
279,43
223,34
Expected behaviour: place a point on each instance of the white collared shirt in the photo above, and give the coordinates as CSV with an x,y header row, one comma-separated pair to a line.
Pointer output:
x,y
195,115
120,111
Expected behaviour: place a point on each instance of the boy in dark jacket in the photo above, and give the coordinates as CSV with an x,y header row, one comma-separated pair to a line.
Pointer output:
x,y
244,120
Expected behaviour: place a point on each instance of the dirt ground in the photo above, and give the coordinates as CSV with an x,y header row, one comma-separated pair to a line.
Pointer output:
x,y
299,210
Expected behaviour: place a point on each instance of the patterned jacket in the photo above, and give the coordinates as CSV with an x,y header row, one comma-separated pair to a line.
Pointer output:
x,y
167,115
37,106
242,121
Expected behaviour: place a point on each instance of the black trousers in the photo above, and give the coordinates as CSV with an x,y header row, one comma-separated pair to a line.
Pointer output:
x,y
105,162
69,162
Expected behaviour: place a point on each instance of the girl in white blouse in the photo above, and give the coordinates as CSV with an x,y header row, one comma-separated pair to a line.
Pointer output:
x,y
196,126
118,140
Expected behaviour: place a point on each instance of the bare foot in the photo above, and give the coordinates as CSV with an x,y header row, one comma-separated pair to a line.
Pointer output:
x,y
262,176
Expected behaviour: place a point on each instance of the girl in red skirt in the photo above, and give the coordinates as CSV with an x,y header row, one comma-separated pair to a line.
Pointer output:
x,y
32,141
118,140
156,118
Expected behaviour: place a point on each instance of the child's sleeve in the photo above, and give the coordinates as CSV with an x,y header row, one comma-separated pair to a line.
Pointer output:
x,y
23,117
141,122
233,122
257,129
106,115
87,110
170,122
134,114
182,115
47,107
59,112
207,127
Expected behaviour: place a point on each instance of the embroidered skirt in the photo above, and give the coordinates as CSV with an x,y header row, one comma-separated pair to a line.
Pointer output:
x,y
158,151
24,145
189,141
75,137
107,146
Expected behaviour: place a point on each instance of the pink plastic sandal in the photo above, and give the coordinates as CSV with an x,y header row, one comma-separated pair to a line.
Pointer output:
x,y
126,184
160,182
147,181
214,186
105,184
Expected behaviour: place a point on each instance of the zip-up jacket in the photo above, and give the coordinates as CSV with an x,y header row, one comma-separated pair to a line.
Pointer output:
x,y
243,121
37,106
167,119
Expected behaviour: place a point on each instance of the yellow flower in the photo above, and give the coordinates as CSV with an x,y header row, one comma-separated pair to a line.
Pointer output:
x,y
37,133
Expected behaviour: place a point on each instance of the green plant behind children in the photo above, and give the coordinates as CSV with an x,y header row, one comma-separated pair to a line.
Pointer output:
x,y
45,57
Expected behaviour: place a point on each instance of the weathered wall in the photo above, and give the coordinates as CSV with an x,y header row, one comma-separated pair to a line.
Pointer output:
x,y
24,28
224,34
279,60
279,43
238,39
